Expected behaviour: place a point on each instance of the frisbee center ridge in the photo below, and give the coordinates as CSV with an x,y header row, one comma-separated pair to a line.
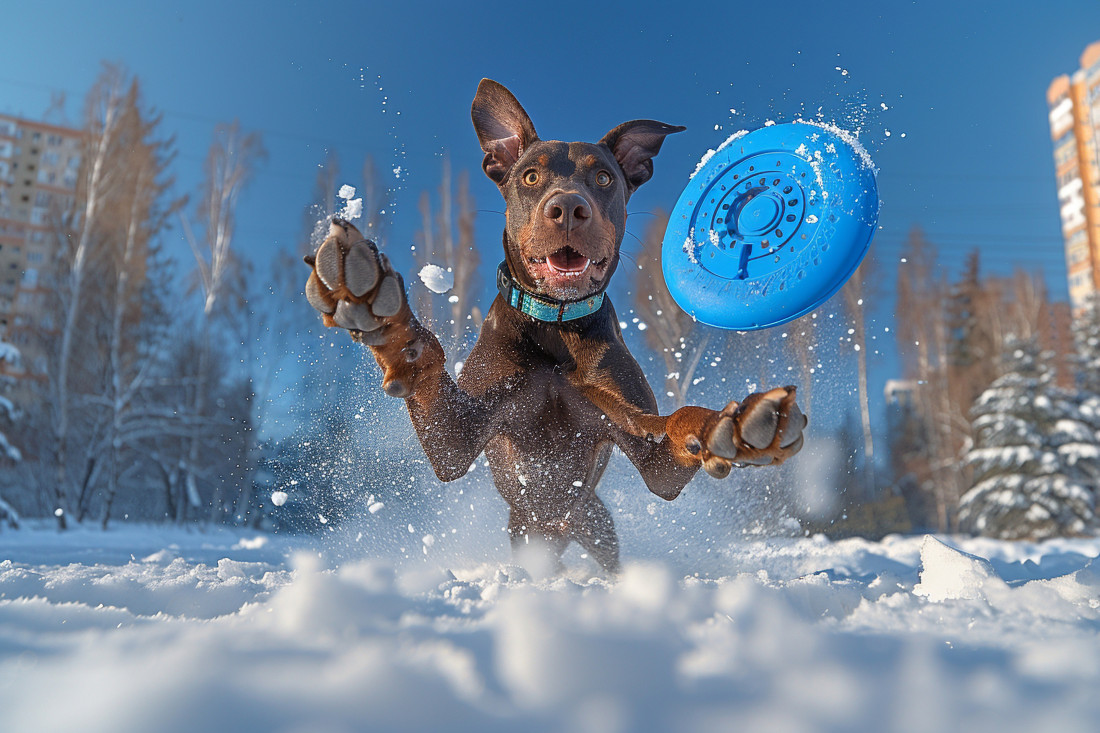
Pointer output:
x,y
757,213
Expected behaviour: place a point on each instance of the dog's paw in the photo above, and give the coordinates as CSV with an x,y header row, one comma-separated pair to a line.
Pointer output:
x,y
764,429
355,288
353,285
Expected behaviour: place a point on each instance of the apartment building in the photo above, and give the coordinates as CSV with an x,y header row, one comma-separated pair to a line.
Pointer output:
x,y
1074,103
39,166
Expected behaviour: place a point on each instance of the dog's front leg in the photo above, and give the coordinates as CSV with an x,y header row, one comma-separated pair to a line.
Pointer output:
x,y
355,288
763,429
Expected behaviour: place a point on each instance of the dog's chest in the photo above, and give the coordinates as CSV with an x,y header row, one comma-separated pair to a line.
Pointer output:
x,y
549,410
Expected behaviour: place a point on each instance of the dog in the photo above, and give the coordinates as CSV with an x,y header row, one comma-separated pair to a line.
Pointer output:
x,y
549,387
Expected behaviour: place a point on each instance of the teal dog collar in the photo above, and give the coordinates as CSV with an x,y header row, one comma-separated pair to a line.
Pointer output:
x,y
541,307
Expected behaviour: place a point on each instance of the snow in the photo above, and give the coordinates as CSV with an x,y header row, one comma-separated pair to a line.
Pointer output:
x,y
711,153
170,629
353,207
437,279
848,137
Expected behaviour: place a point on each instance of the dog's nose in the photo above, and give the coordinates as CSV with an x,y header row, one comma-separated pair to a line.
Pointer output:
x,y
568,210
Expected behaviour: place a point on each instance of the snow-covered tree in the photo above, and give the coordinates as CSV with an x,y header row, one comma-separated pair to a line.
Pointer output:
x,y
1034,460
1086,335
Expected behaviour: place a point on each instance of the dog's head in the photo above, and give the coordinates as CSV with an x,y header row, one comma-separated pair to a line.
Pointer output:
x,y
566,202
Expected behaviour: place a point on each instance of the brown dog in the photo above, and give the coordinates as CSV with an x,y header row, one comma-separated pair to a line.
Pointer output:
x,y
549,387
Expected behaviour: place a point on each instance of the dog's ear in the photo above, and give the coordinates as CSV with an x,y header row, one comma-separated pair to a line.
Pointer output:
x,y
634,144
503,128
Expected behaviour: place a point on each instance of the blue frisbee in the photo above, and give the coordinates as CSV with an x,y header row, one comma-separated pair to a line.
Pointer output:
x,y
771,226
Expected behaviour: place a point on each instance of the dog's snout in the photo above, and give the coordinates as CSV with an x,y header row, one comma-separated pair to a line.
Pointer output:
x,y
568,210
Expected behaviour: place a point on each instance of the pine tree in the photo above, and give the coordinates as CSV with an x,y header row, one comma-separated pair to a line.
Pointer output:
x,y
1034,459
1086,335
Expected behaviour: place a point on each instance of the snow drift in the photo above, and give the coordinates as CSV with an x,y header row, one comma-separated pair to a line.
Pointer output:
x,y
217,632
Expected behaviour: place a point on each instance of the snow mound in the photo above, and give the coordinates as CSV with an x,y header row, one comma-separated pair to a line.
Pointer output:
x,y
949,574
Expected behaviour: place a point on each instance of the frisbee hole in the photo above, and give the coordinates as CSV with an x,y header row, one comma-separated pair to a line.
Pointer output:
x,y
824,246
787,189
752,167
790,217
775,182
792,202
778,233
801,274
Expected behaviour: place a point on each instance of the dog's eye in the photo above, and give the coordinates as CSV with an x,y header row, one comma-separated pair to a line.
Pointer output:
x,y
603,178
531,177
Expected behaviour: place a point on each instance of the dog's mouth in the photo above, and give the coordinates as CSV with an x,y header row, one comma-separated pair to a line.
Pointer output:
x,y
566,273
568,262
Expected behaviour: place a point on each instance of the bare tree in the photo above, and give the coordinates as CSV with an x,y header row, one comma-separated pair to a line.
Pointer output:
x,y
446,239
670,331
140,214
853,294
229,164
922,342
104,111
374,196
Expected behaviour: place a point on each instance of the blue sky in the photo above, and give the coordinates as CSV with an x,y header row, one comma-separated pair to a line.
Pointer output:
x,y
959,86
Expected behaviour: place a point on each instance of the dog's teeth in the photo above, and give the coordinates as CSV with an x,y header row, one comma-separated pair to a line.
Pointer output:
x,y
328,263
360,269
389,299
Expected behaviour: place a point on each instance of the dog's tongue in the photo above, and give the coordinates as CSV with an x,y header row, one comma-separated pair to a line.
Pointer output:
x,y
567,259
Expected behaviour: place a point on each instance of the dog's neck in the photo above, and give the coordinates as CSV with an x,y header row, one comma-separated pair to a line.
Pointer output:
x,y
540,307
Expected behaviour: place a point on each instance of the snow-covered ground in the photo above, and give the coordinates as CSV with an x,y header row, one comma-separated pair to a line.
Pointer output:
x,y
150,629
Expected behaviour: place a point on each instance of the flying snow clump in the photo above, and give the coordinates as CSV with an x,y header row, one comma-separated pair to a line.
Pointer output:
x,y
436,279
